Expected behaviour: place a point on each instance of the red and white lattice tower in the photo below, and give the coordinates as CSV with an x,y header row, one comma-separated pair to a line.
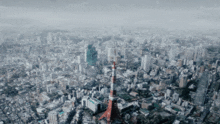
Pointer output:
x,y
112,113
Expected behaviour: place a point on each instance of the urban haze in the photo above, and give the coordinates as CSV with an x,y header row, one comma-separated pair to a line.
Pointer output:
x,y
109,62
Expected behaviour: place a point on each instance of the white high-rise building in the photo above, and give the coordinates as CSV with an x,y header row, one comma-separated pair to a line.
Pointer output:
x,y
79,60
146,62
169,92
175,97
85,54
86,49
80,68
109,53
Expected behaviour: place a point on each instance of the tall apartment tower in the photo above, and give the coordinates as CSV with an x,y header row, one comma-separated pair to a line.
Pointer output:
x,y
79,60
86,49
183,81
85,54
112,112
145,62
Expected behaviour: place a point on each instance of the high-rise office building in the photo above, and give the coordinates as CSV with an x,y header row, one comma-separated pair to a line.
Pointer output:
x,y
183,81
145,62
91,55
85,54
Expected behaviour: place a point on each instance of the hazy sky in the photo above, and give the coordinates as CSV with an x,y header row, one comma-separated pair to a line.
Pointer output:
x,y
70,14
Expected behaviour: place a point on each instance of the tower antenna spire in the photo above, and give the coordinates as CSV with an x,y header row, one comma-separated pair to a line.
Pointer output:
x,y
115,50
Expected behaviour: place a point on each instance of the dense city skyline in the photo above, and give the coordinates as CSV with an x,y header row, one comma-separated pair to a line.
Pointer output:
x,y
108,62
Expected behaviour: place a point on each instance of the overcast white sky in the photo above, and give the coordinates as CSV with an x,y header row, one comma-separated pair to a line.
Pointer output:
x,y
70,14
